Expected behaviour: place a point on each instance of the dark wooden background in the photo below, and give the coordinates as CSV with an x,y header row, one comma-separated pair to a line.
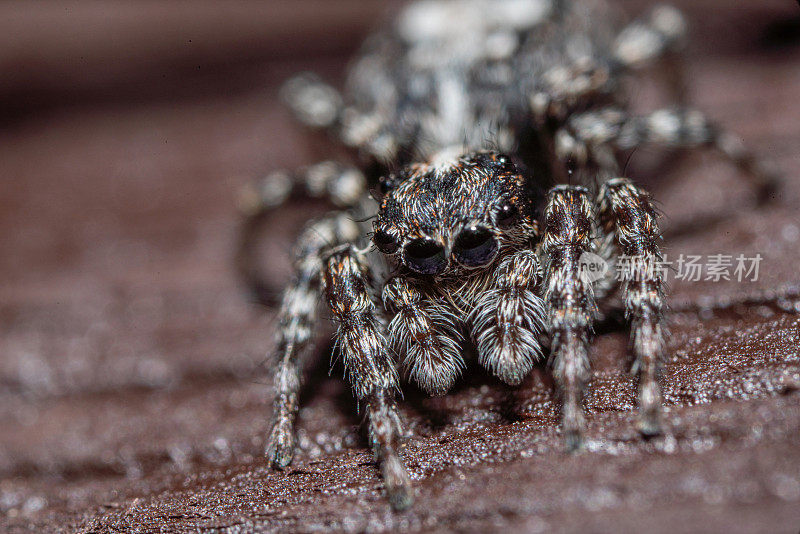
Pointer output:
x,y
132,390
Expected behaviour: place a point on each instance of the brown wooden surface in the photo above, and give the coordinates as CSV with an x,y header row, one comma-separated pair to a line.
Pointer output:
x,y
132,392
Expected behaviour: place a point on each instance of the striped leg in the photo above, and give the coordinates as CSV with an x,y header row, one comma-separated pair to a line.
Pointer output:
x,y
648,39
654,39
312,101
370,367
426,334
297,319
567,86
676,128
627,212
569,225
508,318
343,186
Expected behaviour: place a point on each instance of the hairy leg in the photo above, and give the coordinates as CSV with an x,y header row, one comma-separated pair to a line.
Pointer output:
x,y
656,40
569,227
426,333
343,186
627,212
312,101
653,39
369,365
650,38
508,318
297,319
567,87
676,128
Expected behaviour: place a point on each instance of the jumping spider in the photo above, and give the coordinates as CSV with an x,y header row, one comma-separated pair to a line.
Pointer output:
x,y
469,110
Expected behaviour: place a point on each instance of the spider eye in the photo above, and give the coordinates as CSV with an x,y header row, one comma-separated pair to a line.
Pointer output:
x,y
475,246
425,256
385,242
385,185
506,215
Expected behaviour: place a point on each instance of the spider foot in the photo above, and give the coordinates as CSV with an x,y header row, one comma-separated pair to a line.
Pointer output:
x,y
650,416
397,482
386,433
280,443
572,424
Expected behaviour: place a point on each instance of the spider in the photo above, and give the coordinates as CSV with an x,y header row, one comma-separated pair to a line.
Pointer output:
x,y
497,130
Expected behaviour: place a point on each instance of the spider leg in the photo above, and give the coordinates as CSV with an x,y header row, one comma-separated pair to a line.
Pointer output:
x,y
567,87
628,213
508,317
643,41
571,309
318,105
674,128
312,101
654,38
370,367
343,186
297,318
426,333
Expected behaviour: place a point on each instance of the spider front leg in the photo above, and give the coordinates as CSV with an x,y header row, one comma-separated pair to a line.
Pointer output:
x,y
571,310
628,212
370,367
297,320
508,318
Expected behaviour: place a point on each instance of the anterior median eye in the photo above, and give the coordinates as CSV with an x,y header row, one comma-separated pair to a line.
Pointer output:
x,y
475,246
425,256
386,242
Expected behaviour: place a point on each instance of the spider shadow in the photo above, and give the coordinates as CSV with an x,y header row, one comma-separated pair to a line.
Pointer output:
x,y
476,397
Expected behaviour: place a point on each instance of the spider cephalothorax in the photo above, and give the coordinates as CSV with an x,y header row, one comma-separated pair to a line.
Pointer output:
x,y
458,254
451,226
454,214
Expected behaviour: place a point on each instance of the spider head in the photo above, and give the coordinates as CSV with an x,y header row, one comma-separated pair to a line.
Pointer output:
x,y
455,213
